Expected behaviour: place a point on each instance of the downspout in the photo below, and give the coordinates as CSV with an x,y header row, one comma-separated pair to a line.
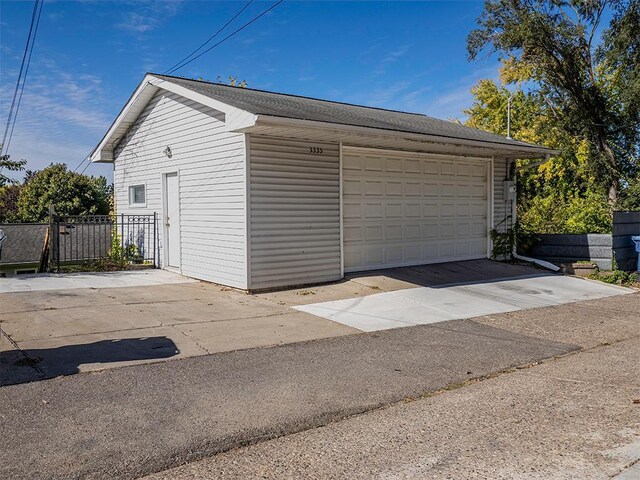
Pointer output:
x,y
514,253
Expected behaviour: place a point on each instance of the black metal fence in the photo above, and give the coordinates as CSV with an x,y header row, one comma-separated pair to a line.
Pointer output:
x,y
83,238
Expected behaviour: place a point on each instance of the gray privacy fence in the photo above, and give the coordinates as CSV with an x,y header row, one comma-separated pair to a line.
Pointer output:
x,y
561,248
600,248
625,225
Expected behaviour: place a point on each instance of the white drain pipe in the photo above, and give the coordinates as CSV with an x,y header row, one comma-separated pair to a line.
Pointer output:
x,y
514,253
541,263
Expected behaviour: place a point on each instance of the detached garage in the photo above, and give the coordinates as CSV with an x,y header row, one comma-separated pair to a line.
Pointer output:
x,y
260,190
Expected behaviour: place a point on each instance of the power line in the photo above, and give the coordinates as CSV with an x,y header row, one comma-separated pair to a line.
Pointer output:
x,y
229,36
83,170
22,76
81,162
26,71
177,65
184,63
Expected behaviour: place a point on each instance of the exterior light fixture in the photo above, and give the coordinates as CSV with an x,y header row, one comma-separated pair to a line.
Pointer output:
x,y
167,152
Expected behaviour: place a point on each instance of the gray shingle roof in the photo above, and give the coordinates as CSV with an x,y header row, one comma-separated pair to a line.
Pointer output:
x,y
261,102
23,242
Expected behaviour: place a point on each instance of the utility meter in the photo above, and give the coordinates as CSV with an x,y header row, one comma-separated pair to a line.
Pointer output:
x,y
509,189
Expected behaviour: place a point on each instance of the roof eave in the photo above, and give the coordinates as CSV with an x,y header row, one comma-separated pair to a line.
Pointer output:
x,y
103,152
509,151
235,118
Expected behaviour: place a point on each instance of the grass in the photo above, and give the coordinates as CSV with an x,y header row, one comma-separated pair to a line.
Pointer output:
x,y
616,277
105,265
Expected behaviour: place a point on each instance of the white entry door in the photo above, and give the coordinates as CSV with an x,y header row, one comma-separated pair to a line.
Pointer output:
x,y
401,209
172,220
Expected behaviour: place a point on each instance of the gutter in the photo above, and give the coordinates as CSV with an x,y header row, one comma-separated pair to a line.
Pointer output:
x,y
519,151
537,164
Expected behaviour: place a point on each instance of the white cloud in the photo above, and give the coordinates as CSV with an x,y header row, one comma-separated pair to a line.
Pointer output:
x,y
451,104
61,116
137,23
148,15
390,58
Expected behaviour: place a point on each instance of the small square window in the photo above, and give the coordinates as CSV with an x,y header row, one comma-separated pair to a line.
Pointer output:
x,y
137,195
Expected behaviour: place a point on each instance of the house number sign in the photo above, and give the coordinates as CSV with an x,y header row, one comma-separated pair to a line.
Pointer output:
x,y
316,150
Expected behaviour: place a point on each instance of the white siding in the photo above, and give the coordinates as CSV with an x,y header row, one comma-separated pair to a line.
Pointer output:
x,y
295,212
212,180
501,208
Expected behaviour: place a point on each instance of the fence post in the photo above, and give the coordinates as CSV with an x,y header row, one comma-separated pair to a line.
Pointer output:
x,y
155,225
53,240
122,231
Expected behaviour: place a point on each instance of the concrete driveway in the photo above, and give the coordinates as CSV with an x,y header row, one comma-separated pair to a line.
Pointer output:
x,y
425,305
60,325
115,319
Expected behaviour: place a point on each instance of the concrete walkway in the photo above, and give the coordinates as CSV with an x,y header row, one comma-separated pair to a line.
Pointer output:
x,y
425,305
65,281
131,421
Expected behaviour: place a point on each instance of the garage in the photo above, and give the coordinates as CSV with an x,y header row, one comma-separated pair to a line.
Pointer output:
x,y
404,209
279,190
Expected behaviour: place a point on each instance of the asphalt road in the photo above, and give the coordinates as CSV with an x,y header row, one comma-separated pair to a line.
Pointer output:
x,y
133,421
572,418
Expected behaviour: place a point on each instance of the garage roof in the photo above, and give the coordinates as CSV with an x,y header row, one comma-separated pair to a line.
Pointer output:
x,y
261,102
247,109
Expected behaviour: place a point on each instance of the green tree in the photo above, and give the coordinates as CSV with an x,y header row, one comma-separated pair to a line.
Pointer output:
x,y
10,165
9,203
562,195
70,193
592,89
630,196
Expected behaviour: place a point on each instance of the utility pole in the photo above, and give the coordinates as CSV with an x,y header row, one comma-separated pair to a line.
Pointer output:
x,y
509,117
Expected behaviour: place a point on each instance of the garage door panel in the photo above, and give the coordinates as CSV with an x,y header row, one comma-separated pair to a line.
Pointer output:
x,y
430,208
351,210
412,210
447,169
447,209
373,187
408,209
373,210
394,188
430,168
373,164
393,165
463,229
351,187
394,210
430,232
430,189
477,209
413,189
478,172
374,233
412,232
412,166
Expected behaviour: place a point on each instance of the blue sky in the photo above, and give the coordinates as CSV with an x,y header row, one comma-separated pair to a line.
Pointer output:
x,y
90,55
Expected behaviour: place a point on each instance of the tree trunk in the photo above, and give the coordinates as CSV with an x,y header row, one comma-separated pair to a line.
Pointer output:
x,y
614,175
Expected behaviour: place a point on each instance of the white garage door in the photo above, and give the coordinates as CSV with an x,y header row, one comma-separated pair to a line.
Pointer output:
x,y
408,210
